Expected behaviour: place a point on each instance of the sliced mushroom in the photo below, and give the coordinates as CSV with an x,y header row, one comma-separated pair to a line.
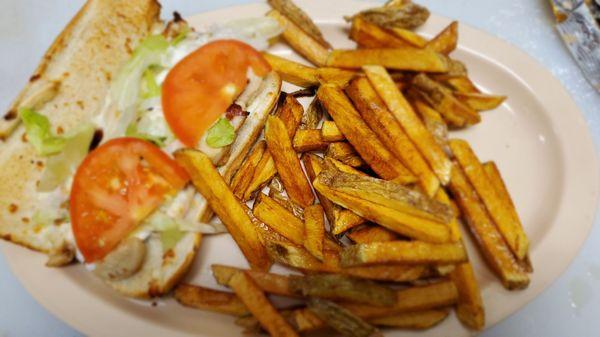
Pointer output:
x,y
123,262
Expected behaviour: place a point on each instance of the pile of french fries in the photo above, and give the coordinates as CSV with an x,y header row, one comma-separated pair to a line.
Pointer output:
x,y
363,193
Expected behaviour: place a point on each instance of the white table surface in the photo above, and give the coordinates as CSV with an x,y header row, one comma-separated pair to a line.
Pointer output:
x,y
570,307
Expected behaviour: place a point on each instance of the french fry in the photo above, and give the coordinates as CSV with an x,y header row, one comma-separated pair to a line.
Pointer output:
x,y
301,42
493,174
300,18
224,203
297,257
360,136
368,35
414,39
331,133
260,307
341,319
268,282
461,84
372,233
398,58
290,113
287,163
314,230
417,320
277,192
263,173
345,153
414,128
391,134
243,177
441,99
445,42
500,211
343,288
479,102
209,299
334,75
405,252
346,220
293,72
490,242
309,140
313,115
397,221
434,122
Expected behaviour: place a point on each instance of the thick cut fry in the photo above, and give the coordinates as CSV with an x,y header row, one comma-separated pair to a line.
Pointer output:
x,y
300,18
409,36
331,133
400,222
287,162
209,299
268,282
493,174
413,320
293,72
445,42
489,240
405,252
391,134
314,230
243,177
480,102
299,258
368,35
345,153
440,98
343,288
309,140
224,203
414,128
300,41
263,173
461,84
346,220
500,211
399,59
290,113
260,307
313,115
360,136
433,122
341,320
335,76
372,233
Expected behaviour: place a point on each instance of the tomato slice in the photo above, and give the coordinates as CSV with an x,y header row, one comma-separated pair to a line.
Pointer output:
x,y
118,185
205,83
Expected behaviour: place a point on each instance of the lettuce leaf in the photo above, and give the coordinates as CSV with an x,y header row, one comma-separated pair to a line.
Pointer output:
x,y
39,133
221,134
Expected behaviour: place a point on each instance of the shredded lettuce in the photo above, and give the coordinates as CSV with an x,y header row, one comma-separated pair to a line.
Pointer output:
x,y
150,88
39,133
221,134
181,36
61,166
132,131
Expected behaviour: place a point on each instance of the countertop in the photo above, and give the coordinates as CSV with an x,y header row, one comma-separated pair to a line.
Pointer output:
x,y
569,307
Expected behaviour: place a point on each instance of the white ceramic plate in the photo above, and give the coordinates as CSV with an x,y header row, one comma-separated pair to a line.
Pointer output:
x,y
538,138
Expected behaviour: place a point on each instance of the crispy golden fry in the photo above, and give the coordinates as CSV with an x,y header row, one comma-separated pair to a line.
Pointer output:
x,y
301,42
209,299
397,13
343,288
368,35
493,174
224,203
346,220
409,36
397,221
460,84
277,192
335,76
479,102
263,173
500,211
414,128
360,136
372,233
341,320
382,122
398,58
297,257
433,122
405,252
345,153
293,72
441,99
313,115
334,164
268,282
300,18
445,42
413,320
490,241
309,140
314,230
331,133
290,113
260,307
287,162
243,177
